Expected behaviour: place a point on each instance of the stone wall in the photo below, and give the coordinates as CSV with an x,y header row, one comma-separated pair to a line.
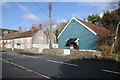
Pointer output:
x,y
31,50
59,52
74,54
84,54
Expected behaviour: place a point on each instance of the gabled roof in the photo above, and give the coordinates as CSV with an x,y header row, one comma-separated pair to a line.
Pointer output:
x,y
101,31
26,34
14,35
9,36
3,29
9,30
96,30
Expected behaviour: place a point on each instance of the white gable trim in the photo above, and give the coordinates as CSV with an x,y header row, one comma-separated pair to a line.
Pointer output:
x,y
77,40
80,23
86,27
65,27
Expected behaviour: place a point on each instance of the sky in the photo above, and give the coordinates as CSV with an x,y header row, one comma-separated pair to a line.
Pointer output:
x,y
24,14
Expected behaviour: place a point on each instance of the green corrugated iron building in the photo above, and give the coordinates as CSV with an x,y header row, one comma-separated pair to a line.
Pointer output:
x,y
86,34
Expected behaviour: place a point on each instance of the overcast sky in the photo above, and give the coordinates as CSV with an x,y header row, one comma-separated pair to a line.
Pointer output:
x,y
15,14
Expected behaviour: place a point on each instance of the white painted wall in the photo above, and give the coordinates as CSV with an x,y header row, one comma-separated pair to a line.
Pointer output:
x,y
9,43
53,38
25,43
41,46
44,46
66,51
1,44
40,38
54,45
4,41
15,43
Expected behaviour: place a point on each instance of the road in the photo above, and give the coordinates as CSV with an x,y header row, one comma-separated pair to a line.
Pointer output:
x,y
16,65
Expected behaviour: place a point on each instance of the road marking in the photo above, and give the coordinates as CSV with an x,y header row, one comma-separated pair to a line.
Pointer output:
x,y
110,71
29,56
24,55
62,62
27,69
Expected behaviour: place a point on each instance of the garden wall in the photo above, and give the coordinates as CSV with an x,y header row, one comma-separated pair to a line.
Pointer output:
x,y
73,53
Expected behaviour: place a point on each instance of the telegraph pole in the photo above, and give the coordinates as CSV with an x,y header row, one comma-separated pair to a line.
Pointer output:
x,y
50,9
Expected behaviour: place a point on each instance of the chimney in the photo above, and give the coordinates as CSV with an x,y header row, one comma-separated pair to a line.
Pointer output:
x,y
84,19
33,27
5,32
39,26
20,29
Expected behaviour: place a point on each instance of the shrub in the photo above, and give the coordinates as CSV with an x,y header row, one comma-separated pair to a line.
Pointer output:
x,y
105,49
105,44
116,57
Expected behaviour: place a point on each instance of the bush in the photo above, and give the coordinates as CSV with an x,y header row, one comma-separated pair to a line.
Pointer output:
x,y
105,44
116,57
105,49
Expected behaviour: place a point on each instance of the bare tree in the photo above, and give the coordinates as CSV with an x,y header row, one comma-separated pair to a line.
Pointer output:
x,y
115,4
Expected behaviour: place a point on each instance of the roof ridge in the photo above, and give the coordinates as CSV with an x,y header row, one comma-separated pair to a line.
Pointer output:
x,y
27,34
95,29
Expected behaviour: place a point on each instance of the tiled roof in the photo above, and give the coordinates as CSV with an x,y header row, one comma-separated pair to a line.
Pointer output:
x,y
9,36
26,34
9,30
14,35
101,31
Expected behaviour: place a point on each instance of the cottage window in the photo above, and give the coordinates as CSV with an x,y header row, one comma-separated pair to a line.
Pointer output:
x,y
18,44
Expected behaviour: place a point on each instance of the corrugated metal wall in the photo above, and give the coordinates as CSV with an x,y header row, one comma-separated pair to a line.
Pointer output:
x,y
87,40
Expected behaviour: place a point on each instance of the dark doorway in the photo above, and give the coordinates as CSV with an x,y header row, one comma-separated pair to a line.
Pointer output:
x,y
72,42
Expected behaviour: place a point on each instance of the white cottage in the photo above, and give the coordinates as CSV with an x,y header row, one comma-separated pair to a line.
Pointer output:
x,y
7,40
35,38
24,40
6,36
